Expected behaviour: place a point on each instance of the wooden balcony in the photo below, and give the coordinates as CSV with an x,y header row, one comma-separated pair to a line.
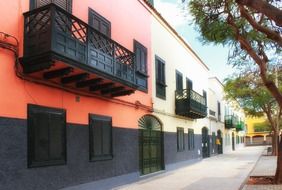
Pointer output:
x,y
190,104
230,121
240,126
61,49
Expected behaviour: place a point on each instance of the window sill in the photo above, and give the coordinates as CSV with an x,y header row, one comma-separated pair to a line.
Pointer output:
x,y
47,163
101,158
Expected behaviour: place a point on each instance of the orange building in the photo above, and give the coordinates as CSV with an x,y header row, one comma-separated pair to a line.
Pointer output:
x,y
74,84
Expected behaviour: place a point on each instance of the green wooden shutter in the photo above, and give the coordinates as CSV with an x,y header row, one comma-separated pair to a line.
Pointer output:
x,y
64,4
141,65
46,136
40,127
179,81
99,23
180,139
100,136
57,135
189,84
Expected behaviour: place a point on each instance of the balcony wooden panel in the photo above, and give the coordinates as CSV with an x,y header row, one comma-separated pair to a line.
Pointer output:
x,y
190,104
60,45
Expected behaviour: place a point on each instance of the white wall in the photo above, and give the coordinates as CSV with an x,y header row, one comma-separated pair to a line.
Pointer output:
x,y
177,57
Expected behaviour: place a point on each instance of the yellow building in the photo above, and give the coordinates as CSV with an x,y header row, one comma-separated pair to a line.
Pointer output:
x,y
257,132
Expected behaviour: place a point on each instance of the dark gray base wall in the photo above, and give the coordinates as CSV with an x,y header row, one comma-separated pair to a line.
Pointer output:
x,y
171,155
14,174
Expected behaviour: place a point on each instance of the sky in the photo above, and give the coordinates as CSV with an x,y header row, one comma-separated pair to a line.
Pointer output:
x,y
215,57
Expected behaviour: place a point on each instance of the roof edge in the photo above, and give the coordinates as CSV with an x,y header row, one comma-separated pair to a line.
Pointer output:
x,y
173,31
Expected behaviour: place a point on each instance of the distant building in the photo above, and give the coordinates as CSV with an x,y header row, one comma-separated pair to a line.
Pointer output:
x,y
258,131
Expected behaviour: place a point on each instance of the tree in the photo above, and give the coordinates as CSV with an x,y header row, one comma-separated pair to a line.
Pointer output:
x,y
262,127
255,99
249,28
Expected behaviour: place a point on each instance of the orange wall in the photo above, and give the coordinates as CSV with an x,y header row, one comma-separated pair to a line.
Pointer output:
x,y
129,20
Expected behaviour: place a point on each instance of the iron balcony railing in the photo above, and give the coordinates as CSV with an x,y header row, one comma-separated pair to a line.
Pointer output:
x,y
230,121
52,29
190,104
240,126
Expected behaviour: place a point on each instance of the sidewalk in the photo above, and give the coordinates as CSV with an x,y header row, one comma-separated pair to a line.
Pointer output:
x,y
224,172
266,166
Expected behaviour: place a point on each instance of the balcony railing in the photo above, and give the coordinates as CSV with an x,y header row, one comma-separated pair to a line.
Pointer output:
x,y
230,121
240,126
189,103
52,34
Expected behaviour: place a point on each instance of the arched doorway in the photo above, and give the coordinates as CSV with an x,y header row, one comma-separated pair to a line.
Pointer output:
x,y
219,143
233,141
150,145
205,142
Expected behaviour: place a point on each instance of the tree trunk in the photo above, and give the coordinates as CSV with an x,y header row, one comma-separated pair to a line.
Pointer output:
x,y
278,175
264,7
274,144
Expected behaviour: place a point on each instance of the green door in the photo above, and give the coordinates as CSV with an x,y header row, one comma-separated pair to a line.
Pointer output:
x,y
205,142
233,141
150,145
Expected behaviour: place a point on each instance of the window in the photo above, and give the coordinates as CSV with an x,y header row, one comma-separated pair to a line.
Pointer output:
x,y
180,139
191,144
160,78
141,65
218,111
189,84
99,23
46,136
100,136
205,96
179,82
65,4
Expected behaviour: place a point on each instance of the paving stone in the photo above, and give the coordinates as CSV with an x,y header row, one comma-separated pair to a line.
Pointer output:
x,y
266,166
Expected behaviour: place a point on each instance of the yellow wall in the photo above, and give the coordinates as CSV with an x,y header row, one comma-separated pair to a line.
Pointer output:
x,y
253,120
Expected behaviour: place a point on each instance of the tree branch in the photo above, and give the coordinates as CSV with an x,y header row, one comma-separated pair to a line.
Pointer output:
x,y
270,85
269,33
264,7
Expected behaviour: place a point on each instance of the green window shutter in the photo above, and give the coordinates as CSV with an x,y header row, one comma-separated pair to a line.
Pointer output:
x,y
97,137
141,65
46,136
100,136
189,84
180,139
99,23
40,136
64,4
179,81
191,144
160,78
57,136
107,138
